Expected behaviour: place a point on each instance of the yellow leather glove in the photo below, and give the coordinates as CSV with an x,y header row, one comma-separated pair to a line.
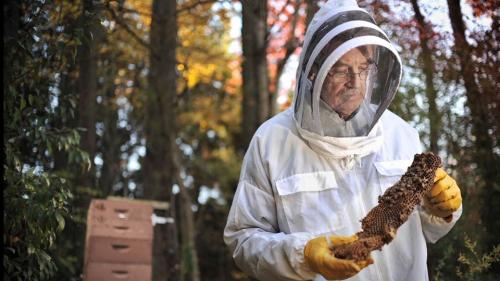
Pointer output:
x,y
320,258
444,198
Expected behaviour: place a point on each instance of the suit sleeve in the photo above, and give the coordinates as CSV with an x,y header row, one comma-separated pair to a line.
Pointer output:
x,y
435,227
252,233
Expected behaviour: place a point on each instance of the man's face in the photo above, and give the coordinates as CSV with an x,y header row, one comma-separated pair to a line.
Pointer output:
x,y
344,88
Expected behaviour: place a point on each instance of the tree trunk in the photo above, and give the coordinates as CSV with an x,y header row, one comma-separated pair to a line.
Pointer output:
x,y
189,265
87,89
474,97
111,142
430,92
190,269
487,160
254,68
113,137
160,133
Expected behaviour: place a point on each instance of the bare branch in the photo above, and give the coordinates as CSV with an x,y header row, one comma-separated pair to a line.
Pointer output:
x,y
119,21
187,8
128,10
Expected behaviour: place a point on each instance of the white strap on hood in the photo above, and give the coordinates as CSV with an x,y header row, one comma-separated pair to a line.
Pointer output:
x,y
328,9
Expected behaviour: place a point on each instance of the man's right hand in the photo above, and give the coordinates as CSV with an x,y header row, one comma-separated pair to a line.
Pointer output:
x,y
320,258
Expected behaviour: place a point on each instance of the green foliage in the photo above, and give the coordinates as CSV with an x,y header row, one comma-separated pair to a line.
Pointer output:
x,y
442,263
35,207
452,257
37,52
471,263
474,264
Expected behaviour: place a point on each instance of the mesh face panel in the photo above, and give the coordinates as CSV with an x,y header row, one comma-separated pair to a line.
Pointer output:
x,y
353,110
393,209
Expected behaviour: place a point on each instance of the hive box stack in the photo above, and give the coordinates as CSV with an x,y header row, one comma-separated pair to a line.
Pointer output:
x,y
118,242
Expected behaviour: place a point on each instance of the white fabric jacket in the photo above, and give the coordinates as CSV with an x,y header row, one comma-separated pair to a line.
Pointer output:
x,y
291,190
301,178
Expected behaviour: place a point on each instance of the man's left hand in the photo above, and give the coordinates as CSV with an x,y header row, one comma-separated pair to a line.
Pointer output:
x,y
444,198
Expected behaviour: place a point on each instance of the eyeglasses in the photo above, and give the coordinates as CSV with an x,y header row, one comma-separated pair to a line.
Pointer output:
x,y
344,76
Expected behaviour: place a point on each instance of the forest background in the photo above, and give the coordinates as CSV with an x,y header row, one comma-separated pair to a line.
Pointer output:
x,y
158,100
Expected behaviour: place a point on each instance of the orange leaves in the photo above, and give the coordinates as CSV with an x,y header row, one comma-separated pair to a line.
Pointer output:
x,y
286,22
143,10
483,7
287,26
204,41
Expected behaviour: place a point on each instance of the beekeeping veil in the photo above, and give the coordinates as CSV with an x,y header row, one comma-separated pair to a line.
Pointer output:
x,y
337,28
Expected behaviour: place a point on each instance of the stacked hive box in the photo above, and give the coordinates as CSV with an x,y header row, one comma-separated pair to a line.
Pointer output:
x,y
118,243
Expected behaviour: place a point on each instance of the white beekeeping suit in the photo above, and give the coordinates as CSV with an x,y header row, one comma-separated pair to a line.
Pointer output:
x,y
308,172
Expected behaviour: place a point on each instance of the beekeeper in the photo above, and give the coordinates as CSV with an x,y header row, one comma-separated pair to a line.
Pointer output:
x,y
312,172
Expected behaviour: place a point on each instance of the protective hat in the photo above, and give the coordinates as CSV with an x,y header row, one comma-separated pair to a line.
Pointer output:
x,y
336,29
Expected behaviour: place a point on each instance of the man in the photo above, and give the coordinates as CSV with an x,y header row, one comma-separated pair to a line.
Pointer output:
x,y
312,172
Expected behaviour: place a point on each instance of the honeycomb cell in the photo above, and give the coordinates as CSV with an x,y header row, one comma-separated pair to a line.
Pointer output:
x,y
394,207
